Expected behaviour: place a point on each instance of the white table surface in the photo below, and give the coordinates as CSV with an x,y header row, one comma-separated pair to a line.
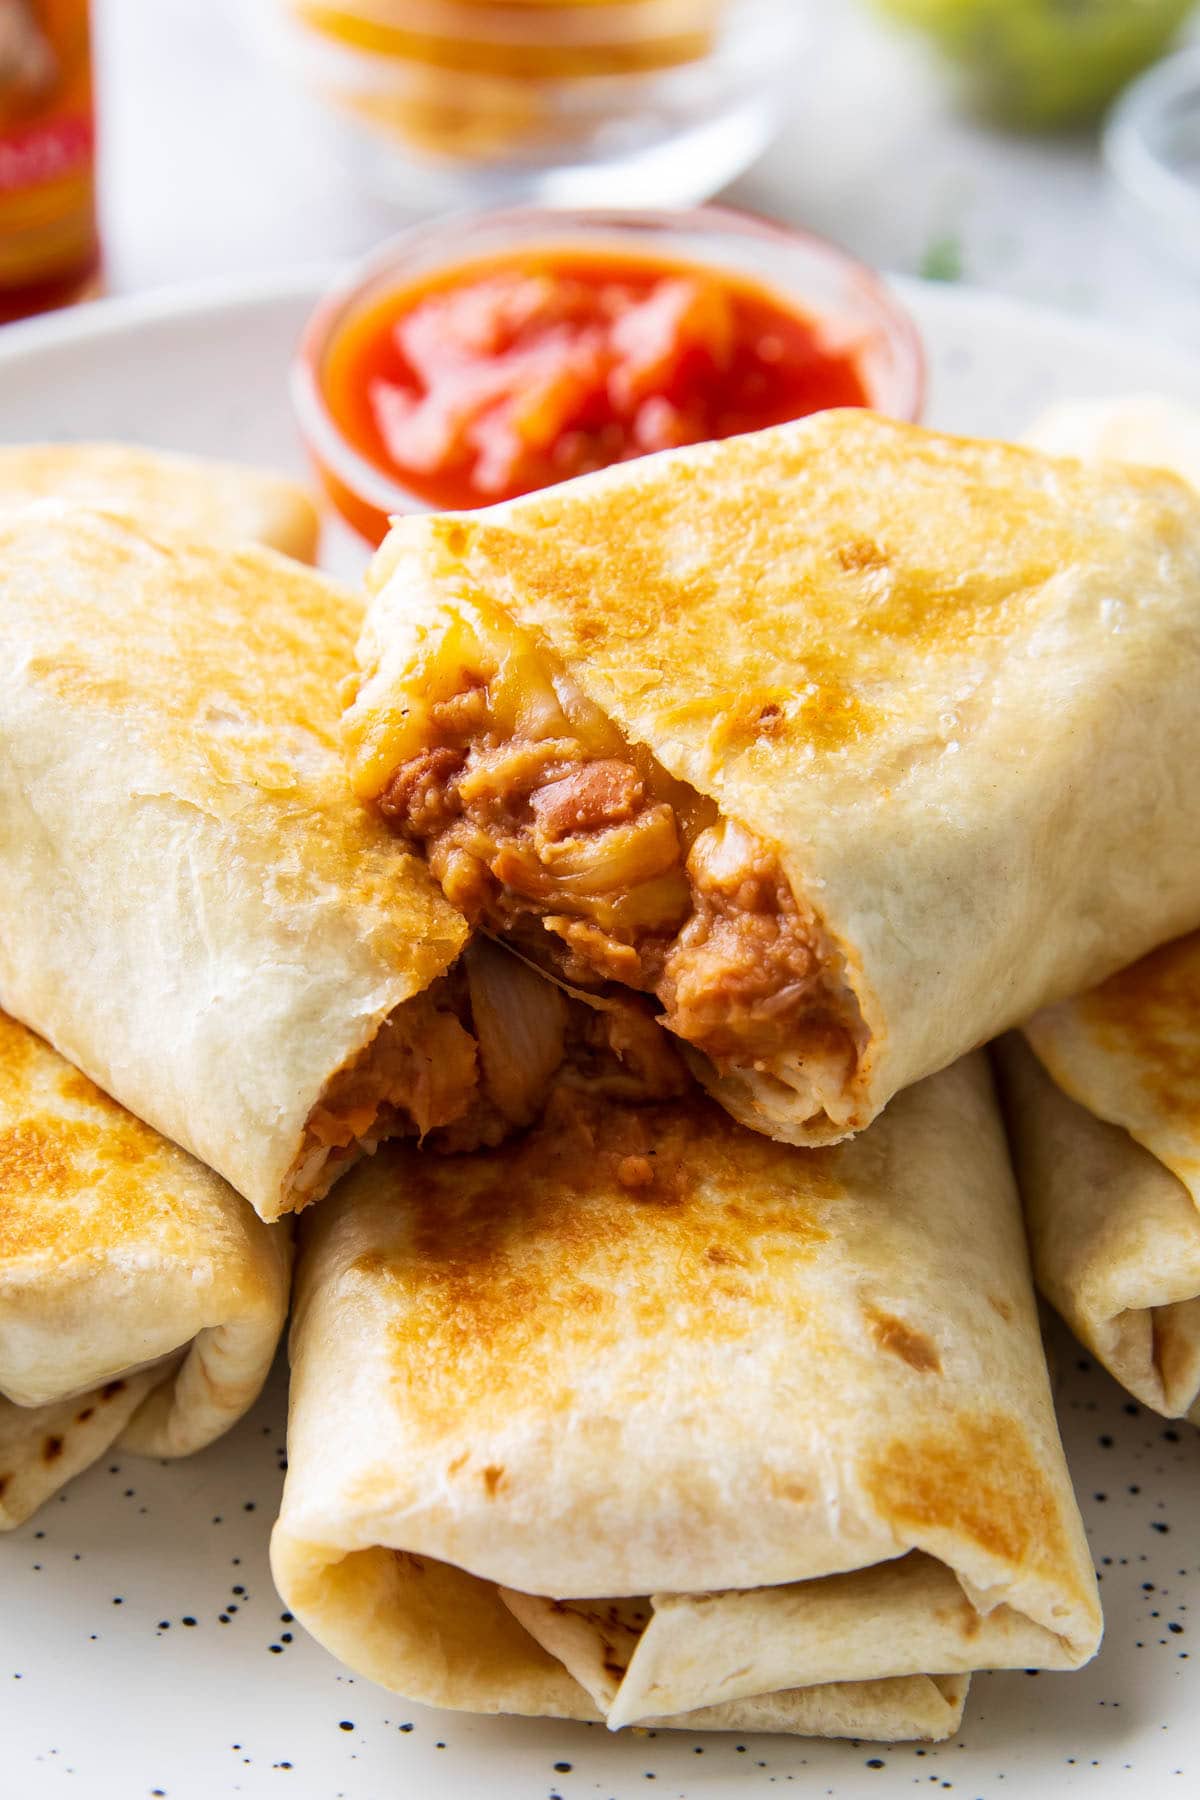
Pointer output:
x,y
214,165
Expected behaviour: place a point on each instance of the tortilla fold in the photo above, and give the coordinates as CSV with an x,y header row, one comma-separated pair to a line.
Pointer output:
x,y
195,916
220,502
828,737
787,1412
449,1639
140,1298
1105,1125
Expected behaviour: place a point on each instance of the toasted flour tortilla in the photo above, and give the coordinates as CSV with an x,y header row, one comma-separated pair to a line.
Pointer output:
x,y
220,502
194,915
786,1411
1106,1135
451,1639
911,695
140,1298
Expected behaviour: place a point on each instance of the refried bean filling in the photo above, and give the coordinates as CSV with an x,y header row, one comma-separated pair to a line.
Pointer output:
x,y
542,825
473,1059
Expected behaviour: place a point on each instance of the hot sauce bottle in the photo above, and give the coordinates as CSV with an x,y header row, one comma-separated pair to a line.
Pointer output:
x,y
49,245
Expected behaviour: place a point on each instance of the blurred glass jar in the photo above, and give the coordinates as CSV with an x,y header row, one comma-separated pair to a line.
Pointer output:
x,y
1045,63
1152,148
49,248
458,102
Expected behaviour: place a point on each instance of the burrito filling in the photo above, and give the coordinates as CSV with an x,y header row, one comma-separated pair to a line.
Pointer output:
x,y
543,825
473,1059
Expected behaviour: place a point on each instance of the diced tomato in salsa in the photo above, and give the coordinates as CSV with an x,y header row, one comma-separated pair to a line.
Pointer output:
x,y
492,380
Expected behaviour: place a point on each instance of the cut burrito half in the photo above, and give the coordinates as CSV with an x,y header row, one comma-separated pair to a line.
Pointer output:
x,y
140,1298
646,1415
1106,1135
196,913
220,502
826,738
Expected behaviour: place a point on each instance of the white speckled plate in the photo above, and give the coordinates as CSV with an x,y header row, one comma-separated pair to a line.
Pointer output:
x,y
142,1649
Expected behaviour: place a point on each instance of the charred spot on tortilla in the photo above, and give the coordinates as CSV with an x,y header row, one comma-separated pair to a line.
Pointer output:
x,y
903,1340
861,553
481,1270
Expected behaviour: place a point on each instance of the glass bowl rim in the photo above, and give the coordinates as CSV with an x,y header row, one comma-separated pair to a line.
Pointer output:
x,y
1161,194
386,494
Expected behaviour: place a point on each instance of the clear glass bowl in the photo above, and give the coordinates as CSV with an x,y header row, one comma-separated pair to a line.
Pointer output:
x,y
1152,148
856,311
453,103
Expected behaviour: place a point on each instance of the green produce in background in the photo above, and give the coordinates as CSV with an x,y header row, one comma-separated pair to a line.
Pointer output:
x,y
1042,63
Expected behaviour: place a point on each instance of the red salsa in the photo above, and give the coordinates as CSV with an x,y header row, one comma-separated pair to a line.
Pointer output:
x,y
495,378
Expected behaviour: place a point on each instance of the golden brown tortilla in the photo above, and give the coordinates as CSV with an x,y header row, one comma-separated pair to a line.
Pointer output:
x,y
194,914
1105,1123
140,1298
220,502
786,1411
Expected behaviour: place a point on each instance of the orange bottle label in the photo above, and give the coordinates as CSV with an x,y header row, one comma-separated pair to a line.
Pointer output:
x,y
48,240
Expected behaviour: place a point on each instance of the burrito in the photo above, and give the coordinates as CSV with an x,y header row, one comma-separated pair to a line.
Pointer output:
x,y
216,501
194,915
1106,1136
140,1298
648,1418
825,738
197,915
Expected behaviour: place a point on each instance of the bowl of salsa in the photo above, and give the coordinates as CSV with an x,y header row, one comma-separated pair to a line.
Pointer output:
x,y
480,358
